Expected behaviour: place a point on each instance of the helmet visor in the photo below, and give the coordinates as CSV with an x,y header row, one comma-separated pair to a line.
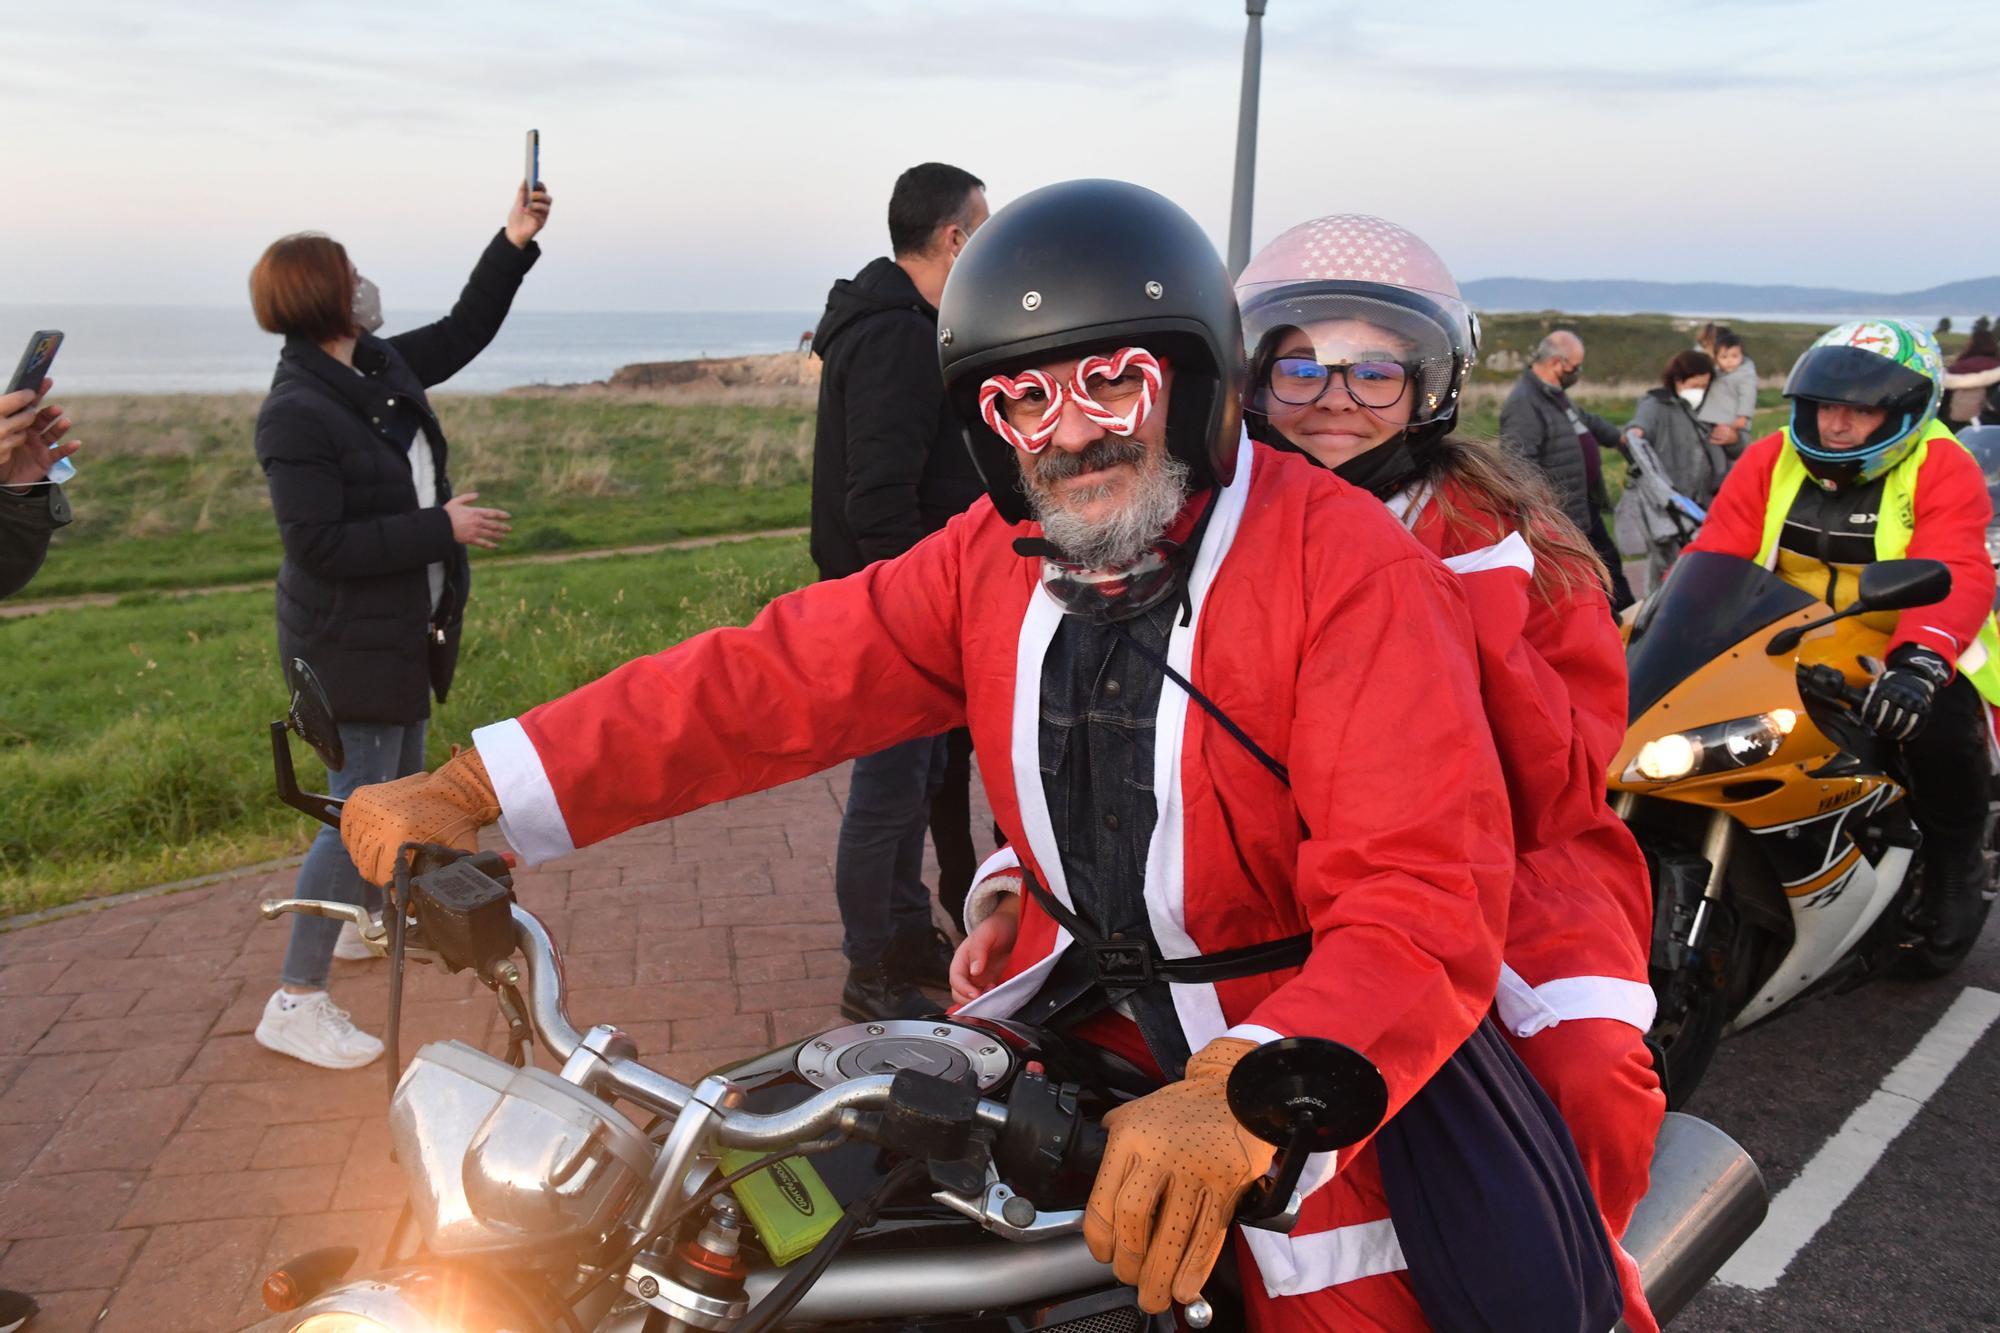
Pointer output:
x,y
1379,345
1857,377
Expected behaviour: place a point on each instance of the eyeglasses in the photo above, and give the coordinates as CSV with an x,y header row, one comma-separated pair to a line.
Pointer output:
x,y
1298,381
1025,409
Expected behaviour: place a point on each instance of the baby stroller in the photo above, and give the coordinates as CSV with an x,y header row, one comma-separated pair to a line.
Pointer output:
x,y
1653,519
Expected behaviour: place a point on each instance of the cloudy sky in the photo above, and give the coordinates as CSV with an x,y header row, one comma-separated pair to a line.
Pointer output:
x,y
736,154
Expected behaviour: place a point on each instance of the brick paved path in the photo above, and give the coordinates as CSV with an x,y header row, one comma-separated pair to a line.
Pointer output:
x,y
155,1161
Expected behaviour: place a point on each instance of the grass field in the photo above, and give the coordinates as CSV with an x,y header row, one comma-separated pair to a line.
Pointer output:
x,y
132,737
168,493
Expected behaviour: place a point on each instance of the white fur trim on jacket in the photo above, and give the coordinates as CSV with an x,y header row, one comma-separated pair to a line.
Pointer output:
x,y
998,876
1526,1010
530,818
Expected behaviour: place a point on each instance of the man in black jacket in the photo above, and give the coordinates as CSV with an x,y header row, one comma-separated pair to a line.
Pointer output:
x,y
31,508
889,468
1539,423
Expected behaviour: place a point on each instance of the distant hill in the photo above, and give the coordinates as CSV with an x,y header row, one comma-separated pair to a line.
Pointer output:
x,y
1976,296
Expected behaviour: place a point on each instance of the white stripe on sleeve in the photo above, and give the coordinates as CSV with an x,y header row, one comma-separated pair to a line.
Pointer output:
x,y
530,819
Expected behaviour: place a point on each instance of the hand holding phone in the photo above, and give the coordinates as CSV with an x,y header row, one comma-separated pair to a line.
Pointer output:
x,y
531,201
29,429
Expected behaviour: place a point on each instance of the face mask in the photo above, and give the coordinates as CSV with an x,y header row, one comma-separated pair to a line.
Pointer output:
x,y
1692,397
1569,377
367,305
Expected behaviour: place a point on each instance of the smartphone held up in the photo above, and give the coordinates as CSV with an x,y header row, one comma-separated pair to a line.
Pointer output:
x,y
533,174
32,369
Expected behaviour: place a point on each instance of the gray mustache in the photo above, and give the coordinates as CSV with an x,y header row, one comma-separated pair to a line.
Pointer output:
x,y
1107,452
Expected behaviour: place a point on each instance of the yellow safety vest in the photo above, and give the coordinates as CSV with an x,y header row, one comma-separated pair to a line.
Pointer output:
x,y
1980,663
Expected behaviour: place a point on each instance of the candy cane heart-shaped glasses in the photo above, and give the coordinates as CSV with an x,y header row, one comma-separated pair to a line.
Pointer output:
x,y
1024,409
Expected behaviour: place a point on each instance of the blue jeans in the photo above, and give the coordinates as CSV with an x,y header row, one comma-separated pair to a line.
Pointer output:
x,y
878,868
376,752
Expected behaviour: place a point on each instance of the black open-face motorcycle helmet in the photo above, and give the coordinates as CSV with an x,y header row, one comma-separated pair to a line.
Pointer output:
x,y
1088,266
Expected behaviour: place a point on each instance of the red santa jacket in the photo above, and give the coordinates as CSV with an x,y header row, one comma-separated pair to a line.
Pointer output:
x,y
1552,676
1952,511
1328,634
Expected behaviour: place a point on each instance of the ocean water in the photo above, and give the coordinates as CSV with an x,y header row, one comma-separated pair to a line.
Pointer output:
x,y
200,349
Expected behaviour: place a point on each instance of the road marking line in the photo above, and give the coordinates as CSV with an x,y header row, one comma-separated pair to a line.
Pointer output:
x,y
1843,1161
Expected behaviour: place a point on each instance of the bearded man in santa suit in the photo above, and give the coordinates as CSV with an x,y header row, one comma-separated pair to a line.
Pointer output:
x,y
1225,706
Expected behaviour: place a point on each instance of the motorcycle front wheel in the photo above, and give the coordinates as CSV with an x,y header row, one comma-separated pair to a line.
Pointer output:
x,y
1694,1008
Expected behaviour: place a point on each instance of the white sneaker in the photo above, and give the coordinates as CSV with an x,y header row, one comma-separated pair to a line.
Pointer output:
x,y
349,945
315,1030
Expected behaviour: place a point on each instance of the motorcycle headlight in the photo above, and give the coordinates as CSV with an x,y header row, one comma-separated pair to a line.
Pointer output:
x,y
1737,743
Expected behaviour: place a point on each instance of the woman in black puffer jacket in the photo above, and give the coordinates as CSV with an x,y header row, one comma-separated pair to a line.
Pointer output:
x,y
373,587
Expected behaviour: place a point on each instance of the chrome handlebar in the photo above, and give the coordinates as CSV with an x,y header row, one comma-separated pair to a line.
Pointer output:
x,y
605,1061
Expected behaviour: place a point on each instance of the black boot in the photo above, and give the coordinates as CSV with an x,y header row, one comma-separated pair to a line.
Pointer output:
x,y
1957,890
921,955
873,993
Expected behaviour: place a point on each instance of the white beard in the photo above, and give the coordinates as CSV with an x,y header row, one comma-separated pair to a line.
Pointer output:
x,y
1159,493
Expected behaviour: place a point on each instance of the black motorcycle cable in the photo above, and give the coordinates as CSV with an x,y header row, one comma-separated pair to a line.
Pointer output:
x,y
783,1298
694,1201
399,900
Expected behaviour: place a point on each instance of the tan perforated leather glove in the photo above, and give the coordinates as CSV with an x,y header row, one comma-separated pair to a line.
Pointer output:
x,y
1175,1165
448,807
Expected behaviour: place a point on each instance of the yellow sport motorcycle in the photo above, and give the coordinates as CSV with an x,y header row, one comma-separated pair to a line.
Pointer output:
x,y
1772,818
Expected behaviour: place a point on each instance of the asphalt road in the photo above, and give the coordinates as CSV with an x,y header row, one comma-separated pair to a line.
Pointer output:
x,y
1916,1246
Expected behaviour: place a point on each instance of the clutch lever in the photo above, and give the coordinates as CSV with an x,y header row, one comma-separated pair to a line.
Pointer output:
x,y
373,933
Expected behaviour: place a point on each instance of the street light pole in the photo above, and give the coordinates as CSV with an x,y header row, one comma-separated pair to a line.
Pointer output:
x,y
1246,140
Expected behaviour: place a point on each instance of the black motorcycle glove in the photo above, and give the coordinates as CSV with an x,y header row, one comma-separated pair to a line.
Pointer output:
x,y
1899,702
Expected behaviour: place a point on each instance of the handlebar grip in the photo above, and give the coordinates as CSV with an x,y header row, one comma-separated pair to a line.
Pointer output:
x,y
1825,682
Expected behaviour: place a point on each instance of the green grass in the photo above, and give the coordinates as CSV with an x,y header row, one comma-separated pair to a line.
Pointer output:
x,y
168,493
133,747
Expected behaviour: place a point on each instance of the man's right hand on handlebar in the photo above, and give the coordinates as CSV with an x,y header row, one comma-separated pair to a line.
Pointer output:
x,y
447,807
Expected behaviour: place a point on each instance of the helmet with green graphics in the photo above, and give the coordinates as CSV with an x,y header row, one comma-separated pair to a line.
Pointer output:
x,y
1885,365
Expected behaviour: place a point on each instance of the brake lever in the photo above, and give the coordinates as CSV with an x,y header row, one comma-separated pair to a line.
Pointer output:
x,y
1012,1216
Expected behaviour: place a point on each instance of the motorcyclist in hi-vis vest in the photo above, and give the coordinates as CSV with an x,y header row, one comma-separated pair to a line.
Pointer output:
x,y
1866,472
1228,709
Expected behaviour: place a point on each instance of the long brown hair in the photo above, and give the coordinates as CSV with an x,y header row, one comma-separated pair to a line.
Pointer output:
x,y
1476,480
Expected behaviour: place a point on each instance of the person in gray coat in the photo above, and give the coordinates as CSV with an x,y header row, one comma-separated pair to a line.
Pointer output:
x,y
1666,419
1539,423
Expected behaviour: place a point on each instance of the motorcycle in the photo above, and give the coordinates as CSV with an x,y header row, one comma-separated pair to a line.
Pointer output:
x,y
1773,821
1983,443
920,1175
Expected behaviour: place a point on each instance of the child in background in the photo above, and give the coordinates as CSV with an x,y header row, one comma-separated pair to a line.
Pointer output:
x,y
1732,396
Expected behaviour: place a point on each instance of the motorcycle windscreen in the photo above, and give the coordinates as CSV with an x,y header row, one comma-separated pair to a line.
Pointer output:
x,y
1711,603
